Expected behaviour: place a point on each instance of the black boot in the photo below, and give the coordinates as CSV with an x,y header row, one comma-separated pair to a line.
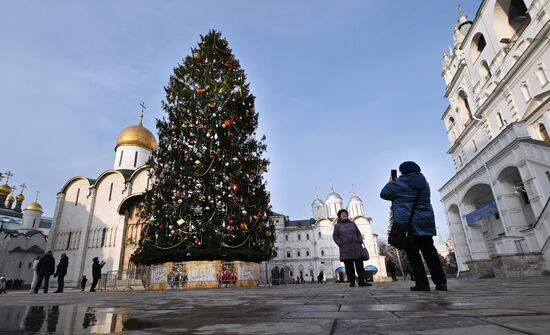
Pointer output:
x,y
441,287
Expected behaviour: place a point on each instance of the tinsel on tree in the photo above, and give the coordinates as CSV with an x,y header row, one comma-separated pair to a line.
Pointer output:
x,y
208,198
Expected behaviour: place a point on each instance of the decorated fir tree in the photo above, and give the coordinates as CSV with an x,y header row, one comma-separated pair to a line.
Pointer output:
x,y
208,199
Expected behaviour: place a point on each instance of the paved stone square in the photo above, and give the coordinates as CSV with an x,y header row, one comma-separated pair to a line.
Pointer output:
x,y
490,306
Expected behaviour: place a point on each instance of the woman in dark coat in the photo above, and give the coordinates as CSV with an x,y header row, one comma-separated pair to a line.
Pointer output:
x,y
45,268
402,192
61,272
348,237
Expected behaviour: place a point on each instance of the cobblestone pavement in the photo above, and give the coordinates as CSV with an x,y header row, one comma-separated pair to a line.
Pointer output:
x,y
489,306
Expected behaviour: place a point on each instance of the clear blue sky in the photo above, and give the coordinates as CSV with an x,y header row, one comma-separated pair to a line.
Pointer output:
x,y
345,90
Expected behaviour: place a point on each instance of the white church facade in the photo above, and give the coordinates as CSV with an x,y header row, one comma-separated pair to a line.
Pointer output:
x,y
498,122
98,217
305,248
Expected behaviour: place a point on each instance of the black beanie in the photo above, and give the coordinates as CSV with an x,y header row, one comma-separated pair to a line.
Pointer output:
x,y
409,167
342,211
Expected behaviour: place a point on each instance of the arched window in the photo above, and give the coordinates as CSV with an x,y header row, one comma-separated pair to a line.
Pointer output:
x,y
477,46
500,121
110,192
320,236
450,122
464,107
525,91
460,160
544,133
298,253
307,253
307,236
484,71
299,237
322,252
510,18
541,75
286,237
77,196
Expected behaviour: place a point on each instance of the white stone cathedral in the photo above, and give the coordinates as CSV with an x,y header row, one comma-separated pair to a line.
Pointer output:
x,y
97,217
305,247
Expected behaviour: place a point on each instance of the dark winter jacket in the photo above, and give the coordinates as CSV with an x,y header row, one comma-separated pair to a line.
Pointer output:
x,y
62,266
348,237
46,265
402,193
96,269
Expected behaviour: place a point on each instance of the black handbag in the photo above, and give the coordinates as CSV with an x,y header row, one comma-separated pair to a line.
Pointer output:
x,y
365,254
401,235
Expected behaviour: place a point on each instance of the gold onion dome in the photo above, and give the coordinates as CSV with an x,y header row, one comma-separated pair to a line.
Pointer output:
x,y
5,189
137,135
20,197
10,198
34,206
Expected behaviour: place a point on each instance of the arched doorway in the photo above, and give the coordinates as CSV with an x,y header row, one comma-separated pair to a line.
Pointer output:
x,y
515,199
483,220
462,249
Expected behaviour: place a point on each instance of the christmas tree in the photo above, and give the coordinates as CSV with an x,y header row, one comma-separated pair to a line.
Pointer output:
x,y
208,199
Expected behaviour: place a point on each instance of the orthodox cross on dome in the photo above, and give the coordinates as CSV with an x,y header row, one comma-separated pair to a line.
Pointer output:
x,y
142,105
331,185
316,192
37,194
8,176
23,187
462,18
352,189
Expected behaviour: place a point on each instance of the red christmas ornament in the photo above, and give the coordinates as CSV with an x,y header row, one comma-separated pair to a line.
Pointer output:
x,y
227,122
200,90
228,63
161,226
212,105
231,222
234,187
196,242
243,225
231,133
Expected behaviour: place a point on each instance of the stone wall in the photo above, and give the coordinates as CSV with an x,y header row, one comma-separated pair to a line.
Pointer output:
x,y
508,266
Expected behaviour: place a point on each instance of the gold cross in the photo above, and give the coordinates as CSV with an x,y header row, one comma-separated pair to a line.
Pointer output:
x,y
8,175
142,105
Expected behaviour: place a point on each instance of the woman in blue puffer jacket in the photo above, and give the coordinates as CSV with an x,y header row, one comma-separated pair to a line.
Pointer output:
x,y
402,192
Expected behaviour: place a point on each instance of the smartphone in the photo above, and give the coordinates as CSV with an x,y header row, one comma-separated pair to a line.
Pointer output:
x,y
393,174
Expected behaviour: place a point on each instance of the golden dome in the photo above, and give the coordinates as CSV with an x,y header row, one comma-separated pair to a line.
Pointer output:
x,y
137,135
20,197
5,189
10,199
34,206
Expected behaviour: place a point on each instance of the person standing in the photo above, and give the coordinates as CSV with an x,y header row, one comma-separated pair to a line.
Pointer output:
x,y
350,241
96,272
320,277
3,285
61,272
45,268
34,274
83,283
410,197
390,268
